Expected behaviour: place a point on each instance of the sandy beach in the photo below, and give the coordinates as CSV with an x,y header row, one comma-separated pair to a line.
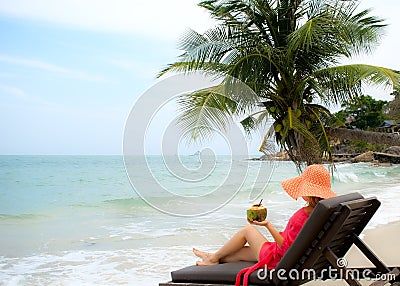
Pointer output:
x,y
383,241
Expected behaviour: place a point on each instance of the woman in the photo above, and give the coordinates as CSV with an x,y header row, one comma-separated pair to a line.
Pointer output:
x,y
249,244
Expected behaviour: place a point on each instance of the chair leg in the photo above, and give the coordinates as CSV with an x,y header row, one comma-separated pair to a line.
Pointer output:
x,y
332,258
370,255
391,274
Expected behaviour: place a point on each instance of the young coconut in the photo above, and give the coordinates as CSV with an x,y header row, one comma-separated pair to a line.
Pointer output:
x,y
257,212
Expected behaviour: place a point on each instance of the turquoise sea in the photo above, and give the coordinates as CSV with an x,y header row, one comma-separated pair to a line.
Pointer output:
x,y
77,220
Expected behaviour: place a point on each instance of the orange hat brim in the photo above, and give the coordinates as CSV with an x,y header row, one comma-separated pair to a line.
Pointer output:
x,y
297,187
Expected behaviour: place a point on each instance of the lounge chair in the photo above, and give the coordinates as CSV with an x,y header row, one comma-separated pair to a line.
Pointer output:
x,y
317,252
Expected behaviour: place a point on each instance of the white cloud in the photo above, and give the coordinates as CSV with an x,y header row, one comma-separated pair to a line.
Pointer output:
x,y
41,65
22,95
17,92
158,17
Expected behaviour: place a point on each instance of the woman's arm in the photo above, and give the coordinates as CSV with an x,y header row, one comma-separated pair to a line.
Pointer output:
x,y
275,234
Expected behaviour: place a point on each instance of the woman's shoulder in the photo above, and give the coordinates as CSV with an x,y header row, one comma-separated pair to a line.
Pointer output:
x,y
308,210
302,213
298,219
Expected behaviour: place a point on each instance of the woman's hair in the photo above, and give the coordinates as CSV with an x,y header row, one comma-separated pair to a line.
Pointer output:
x,y
313,201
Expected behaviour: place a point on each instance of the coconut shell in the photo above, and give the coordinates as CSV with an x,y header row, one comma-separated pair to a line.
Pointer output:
x,y
257,213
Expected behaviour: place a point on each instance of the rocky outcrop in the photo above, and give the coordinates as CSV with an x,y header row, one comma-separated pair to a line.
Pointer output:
x,y
394,150
280,156
365,157
386,158
391,156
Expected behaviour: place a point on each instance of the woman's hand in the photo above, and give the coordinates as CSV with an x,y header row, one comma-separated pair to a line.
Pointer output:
x,y
275,234
260,223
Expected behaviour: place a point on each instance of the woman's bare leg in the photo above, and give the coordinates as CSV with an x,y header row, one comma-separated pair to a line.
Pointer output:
x,y
234,249
243,254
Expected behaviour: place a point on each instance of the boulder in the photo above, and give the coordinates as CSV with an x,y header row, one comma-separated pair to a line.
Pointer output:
x,y
365,157
394,150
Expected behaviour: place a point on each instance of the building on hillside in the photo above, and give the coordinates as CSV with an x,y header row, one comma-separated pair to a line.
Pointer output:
x,y
390,126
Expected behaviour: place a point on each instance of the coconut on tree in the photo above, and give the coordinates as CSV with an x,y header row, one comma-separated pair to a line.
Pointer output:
x,y
289,52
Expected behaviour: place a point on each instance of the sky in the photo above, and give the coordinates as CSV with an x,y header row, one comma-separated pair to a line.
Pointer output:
x,y
71,70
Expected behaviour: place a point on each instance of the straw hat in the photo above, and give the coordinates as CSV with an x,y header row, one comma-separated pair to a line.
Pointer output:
x,y
314,182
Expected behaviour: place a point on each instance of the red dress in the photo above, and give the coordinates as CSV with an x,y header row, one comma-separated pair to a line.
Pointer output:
x,y
271,253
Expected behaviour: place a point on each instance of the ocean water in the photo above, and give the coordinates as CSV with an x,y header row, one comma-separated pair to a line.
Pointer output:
x,y
77,220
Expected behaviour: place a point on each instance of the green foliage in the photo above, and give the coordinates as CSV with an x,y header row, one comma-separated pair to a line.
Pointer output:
x,y
362,147
362,112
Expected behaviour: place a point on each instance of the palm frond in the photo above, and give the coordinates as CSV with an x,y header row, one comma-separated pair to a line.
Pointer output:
x,y
208,47
248,124
244,96
341,83
362,31
205,111
215,69
267,146
255,120
332,32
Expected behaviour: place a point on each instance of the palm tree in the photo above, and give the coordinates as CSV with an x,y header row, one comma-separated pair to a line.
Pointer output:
x,y
288,52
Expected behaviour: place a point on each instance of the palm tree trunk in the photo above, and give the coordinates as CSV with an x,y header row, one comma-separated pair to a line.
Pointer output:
x,y
365,136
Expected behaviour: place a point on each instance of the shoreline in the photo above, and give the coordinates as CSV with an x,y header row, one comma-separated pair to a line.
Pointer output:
x,y
385,158
382,240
